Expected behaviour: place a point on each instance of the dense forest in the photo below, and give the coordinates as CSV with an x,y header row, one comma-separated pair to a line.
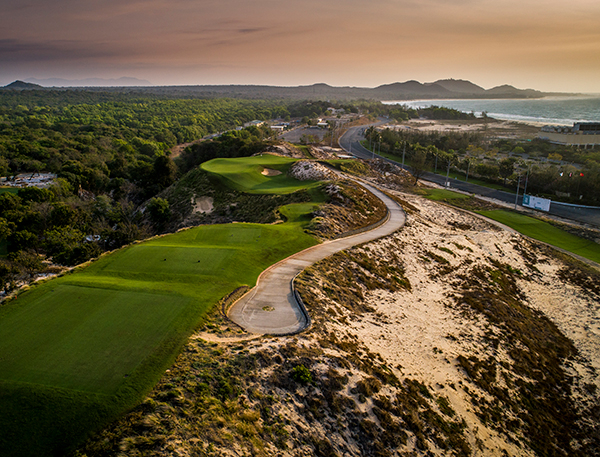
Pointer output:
x,y
110,153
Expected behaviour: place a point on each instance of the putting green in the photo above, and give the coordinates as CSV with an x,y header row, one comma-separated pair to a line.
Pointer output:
x,y
245,174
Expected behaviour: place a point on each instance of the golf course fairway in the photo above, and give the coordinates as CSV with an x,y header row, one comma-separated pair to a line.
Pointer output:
x,y
79,350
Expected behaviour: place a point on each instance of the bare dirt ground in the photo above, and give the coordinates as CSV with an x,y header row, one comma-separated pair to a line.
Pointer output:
x,y
491,127
294,136
449,337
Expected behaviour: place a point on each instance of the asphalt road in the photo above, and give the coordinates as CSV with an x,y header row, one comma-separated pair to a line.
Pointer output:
x,y
350,141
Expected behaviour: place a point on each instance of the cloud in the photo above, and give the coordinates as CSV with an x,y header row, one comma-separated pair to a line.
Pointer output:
x,y
12,50
354,40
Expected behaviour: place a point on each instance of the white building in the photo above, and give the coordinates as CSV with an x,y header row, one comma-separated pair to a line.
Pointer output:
x,y
582,134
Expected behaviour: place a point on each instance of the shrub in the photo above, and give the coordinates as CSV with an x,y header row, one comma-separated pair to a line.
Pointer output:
x,y
302,374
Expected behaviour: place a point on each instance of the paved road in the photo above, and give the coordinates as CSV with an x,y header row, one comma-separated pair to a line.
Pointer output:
x,y
271,308
350,141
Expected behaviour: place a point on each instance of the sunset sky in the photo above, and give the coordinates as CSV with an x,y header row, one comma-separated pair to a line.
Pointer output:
x,y
547,45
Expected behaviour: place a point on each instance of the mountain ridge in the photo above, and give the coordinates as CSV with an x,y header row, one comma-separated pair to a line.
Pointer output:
x,y
408,90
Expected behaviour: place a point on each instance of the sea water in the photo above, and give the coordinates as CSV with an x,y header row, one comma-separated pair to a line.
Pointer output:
x,y
547,110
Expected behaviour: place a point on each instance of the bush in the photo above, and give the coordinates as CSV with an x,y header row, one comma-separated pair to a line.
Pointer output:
x,y
301,374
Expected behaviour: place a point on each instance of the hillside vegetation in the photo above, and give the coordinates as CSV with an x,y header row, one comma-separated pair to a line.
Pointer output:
x,y
105,333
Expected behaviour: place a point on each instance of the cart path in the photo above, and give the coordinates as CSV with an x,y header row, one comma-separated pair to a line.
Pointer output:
x,y
271,307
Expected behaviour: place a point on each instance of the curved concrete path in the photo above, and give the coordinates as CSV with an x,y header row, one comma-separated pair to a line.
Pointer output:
x,y
271,308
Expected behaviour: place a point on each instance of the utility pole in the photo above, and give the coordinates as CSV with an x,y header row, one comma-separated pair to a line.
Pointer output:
x,y
403,154
517,196
448,174
332,131
526,180
468,167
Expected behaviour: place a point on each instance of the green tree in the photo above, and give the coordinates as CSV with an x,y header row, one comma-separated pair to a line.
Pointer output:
x,y
487,170
164,171
159,212
6,228
506,168
419,165
28,260
3,166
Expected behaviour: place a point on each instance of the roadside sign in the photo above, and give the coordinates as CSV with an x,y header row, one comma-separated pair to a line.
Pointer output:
x,y
543,204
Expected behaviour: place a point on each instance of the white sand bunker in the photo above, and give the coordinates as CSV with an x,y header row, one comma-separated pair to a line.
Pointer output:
x,y
203,204
270,172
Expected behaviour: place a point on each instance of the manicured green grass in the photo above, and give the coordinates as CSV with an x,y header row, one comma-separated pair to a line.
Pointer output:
x,y
443,194
244,174
85,338
104,335
12,190
298,213
542,231
79,350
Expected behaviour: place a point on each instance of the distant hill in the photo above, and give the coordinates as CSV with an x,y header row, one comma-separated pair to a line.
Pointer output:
x,y
460,86
21,85
409,90
506,90
90,82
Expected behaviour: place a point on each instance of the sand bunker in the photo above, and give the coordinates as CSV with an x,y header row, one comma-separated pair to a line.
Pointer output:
x,y
270,172
203,205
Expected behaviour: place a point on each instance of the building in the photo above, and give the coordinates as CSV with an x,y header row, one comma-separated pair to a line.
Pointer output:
x,y
582,134
254,123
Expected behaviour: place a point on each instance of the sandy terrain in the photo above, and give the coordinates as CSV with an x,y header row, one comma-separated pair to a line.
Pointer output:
x,y
304,170
493,127
449,337
270,172
203,204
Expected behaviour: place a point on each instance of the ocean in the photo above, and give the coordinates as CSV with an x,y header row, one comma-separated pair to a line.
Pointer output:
x,y
548,110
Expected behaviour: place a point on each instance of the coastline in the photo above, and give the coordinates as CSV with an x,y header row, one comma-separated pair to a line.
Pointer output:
x,y
550,110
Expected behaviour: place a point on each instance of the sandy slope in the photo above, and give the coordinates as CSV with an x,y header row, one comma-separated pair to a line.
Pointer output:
x,y
396,370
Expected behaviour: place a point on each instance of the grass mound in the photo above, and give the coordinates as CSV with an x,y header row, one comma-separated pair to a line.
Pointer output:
x,y
245,174
543,231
